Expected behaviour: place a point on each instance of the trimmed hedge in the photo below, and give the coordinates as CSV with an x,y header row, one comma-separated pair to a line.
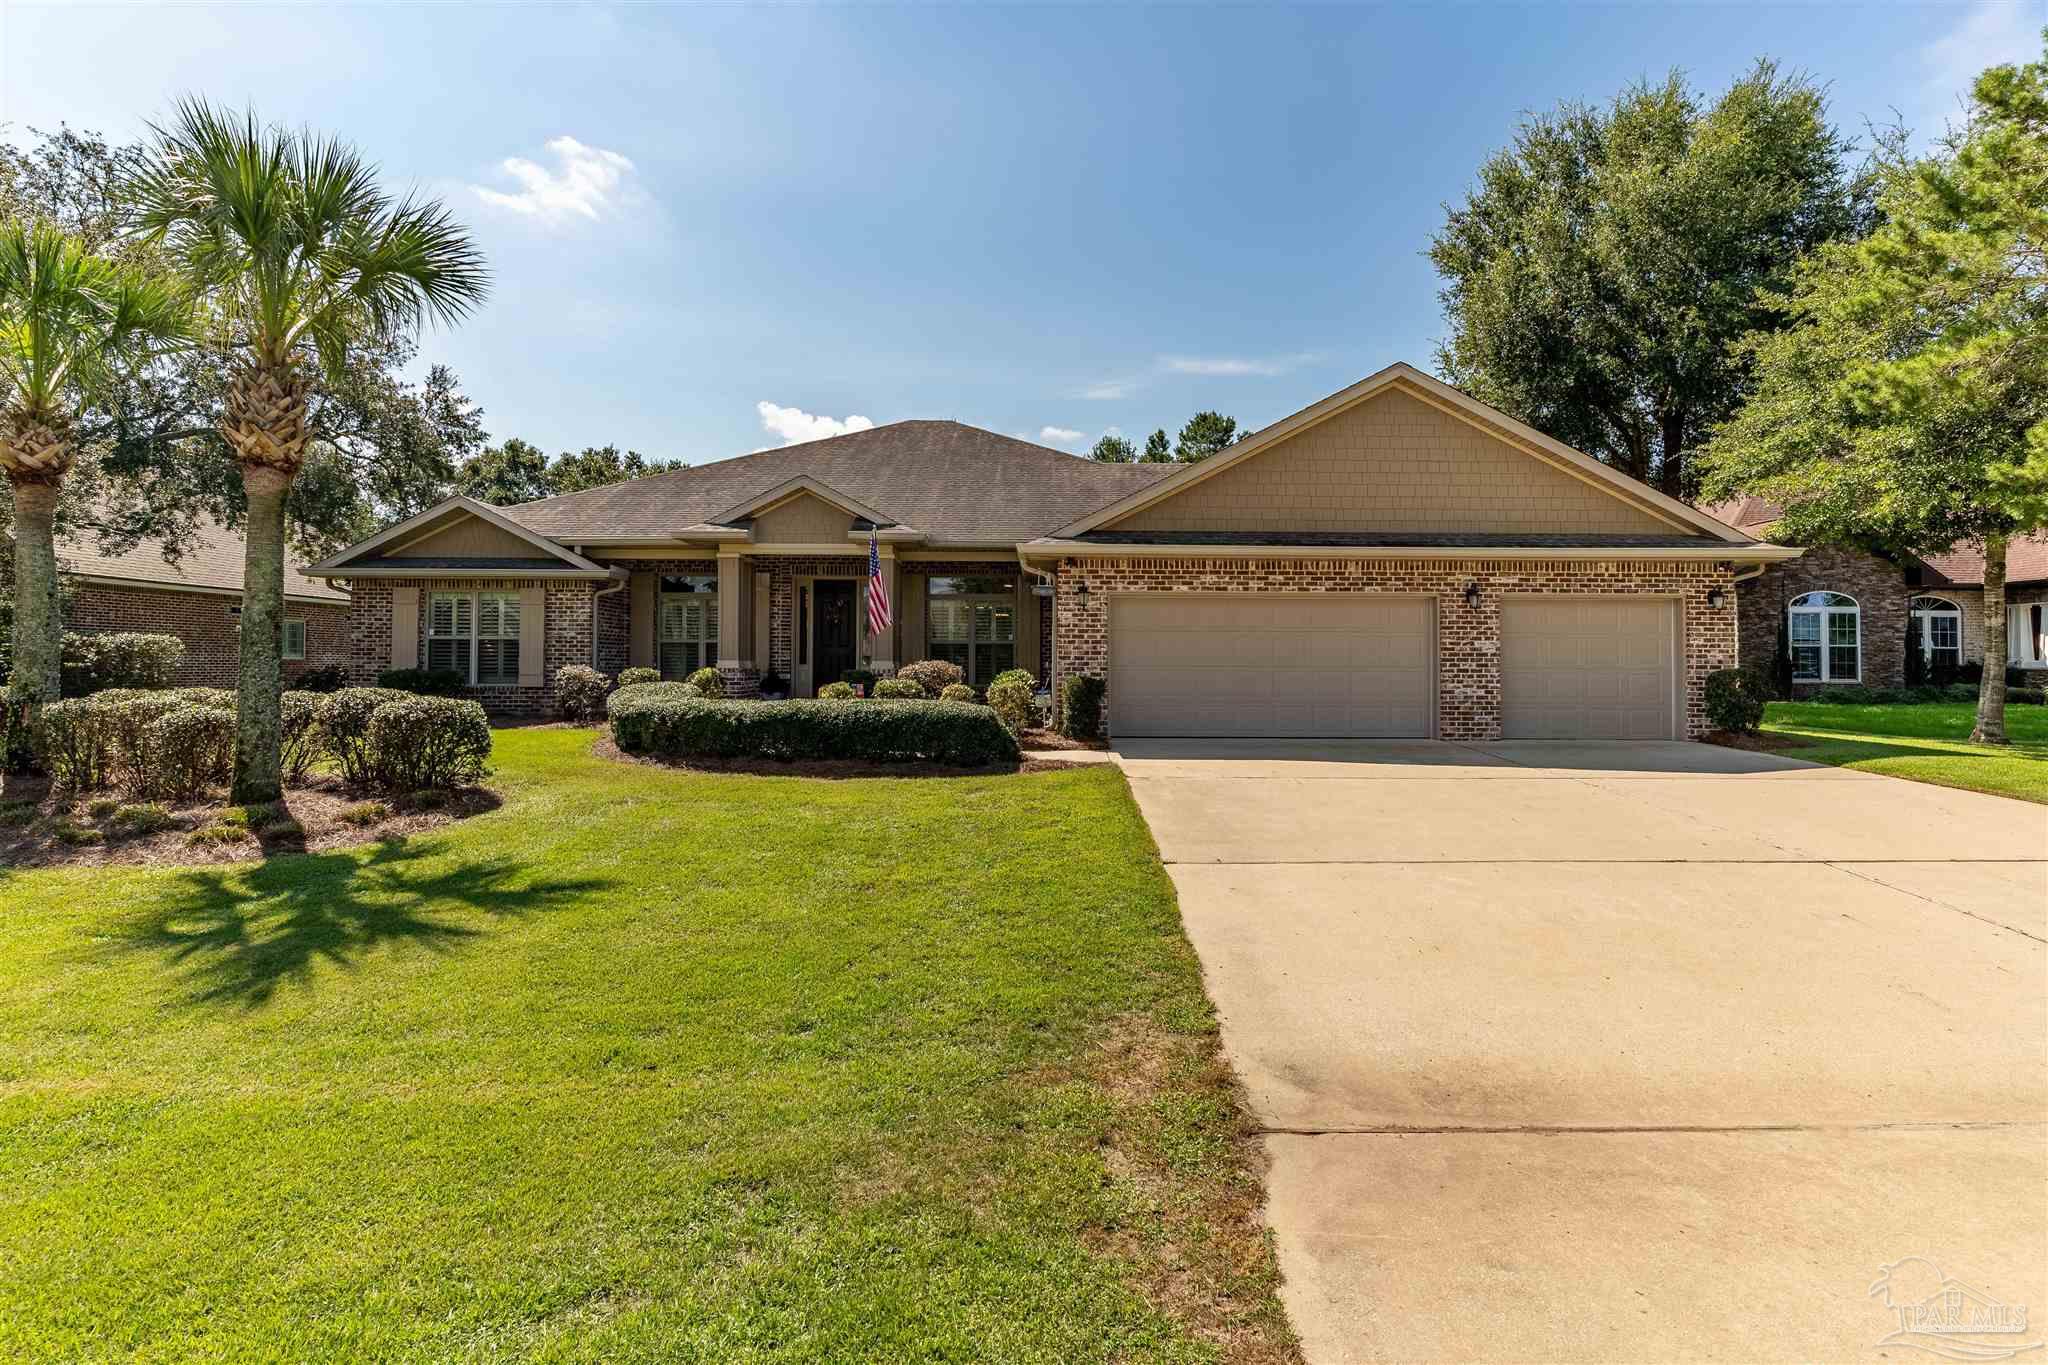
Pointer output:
x,y
675,726
709,681
345,718
898,689
108,739
128,659
956,692
838,691
425,682
1081,707
933,675
1010,697
424,743
191,749
580,691
304,743
634,677
1735,699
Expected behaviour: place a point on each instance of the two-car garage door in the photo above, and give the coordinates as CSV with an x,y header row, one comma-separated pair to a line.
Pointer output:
x,y
1364,667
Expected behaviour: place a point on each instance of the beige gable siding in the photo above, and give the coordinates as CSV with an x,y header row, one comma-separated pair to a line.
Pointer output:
x,y
468,535
803,520
1395,463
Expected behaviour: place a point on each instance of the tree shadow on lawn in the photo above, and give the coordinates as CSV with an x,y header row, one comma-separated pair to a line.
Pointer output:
x,y
242,930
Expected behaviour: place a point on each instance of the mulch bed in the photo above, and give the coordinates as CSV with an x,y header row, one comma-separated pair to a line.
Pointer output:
x,y
1758,743
830,767
38,829
1053,739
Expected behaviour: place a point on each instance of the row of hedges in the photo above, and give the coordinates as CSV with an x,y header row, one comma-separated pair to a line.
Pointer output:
x,y
132,659
668,719
179,742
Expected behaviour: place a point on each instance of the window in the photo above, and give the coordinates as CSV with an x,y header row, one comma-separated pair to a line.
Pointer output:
x,y
1826,633
972,622
1938,631
686,626
2026,635
294,639
477,635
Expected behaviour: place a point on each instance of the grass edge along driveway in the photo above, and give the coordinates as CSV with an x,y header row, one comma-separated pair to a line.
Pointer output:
x,y
1928,742
642,1065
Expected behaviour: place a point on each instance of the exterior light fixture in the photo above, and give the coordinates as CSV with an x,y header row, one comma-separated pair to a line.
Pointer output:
x,y
1081,590
1472,594
1715,597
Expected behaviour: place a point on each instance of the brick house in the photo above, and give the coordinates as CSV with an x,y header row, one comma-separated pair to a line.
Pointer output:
x,y
1395,560
198,599
1852,612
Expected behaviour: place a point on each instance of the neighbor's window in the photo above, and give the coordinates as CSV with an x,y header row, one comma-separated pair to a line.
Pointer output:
x,y
294,639
1826,633
687,626
2026,635
476,634
972,622
1938,631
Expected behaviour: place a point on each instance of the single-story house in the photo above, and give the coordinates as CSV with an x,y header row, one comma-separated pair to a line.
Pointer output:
x,y
198,598
1398,559
1851,612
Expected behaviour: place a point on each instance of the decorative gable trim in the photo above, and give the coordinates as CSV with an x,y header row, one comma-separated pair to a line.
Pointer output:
x,y
790,489
345,564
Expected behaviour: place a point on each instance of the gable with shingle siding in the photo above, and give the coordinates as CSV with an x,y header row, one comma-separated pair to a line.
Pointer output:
x,y
805,519
1396,463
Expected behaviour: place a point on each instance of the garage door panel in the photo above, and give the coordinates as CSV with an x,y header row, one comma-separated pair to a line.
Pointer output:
x,y
1272,666
1588,668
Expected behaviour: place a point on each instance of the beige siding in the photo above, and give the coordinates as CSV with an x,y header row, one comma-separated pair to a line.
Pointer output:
x,y
468,535
803,520
1395,463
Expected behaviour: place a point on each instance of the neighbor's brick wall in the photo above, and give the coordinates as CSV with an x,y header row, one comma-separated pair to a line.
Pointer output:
x,y
1877,584
201,621
1468,639
567,639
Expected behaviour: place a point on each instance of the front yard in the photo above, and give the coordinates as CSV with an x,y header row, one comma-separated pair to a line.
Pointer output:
x,y
1928,743
641,1065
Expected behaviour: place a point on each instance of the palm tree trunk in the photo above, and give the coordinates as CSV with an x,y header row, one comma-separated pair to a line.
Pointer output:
x,y
1990,727
38,629
257,728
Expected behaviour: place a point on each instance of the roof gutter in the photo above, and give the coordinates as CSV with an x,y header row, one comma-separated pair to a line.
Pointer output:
x,y
1706,550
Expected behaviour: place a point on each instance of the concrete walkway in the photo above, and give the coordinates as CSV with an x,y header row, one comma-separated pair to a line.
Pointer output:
x,y
1621,1051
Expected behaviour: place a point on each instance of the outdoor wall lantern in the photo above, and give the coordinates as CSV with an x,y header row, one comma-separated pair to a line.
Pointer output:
x,y
1472,594
1715,597
1081,590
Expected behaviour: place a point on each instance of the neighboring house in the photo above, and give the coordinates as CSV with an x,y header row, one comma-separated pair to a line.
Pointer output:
x,y
1851,612
198,599
1395,560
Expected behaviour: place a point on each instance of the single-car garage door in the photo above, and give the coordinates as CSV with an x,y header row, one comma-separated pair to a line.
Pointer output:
x,y
1271,666
1588,668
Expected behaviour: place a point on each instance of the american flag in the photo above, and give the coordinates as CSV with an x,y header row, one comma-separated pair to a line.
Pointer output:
x,y
878,590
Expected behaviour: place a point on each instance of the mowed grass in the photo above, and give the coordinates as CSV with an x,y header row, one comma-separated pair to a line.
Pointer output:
x,y
643,1065
1927,743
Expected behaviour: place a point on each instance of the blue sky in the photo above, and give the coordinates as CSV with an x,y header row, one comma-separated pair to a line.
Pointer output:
x,y
718,229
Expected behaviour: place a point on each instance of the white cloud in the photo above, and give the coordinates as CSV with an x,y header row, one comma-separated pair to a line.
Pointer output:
x,y
1107,390
1227,366
1992,33
588,183
1059,436
794,424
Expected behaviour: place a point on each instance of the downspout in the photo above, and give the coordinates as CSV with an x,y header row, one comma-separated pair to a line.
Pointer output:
x,y
619,586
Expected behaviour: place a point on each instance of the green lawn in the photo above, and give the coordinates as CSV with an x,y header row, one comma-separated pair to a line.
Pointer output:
x,y
640,1066
1928,743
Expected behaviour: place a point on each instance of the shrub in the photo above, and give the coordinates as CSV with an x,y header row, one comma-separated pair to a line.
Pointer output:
x,y
74,743
17,812
219,832
304,742
428,742
190,749
633,677
70,832
933,675
326,677
345,721
709,681
94,663
899,689
877,731
425,682
1839,696
1081,707
1016,675
862,678
1010,697
839,691
2027,696
956,692
102,808
364,813
580,691
147,817
1735,699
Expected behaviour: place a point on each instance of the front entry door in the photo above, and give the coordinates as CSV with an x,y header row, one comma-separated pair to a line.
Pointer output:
x,y
832,633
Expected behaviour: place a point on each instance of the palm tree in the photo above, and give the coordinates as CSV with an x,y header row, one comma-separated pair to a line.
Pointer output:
x,y
68,320
300,256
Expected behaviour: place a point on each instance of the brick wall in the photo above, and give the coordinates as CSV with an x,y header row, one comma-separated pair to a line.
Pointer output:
x,y
1468,638
202,620
567,638
1877,584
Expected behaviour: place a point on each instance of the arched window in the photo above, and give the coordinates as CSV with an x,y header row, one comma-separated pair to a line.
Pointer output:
x,y
1826,632
1937,631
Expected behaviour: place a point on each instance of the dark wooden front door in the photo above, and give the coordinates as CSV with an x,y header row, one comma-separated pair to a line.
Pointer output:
x,y
832,633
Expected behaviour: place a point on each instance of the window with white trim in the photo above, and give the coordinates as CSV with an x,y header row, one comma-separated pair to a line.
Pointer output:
x,y
2026,635
1937,631
294,638
686,626
972,621
476,634
1826,633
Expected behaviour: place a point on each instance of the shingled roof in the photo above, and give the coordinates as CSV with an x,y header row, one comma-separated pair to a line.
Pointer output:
x,y
211,561
958,484
2026,558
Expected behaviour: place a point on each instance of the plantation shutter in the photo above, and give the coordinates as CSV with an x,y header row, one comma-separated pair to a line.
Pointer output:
x,y
405,627
640,654
533,614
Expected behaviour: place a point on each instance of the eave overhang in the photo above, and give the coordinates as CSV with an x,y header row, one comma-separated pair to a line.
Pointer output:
x,y
1053,547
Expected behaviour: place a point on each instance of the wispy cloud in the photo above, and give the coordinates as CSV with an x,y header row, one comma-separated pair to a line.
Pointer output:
x,y
794,424
586,182
1059,436
1107,391
1992,32
1232,366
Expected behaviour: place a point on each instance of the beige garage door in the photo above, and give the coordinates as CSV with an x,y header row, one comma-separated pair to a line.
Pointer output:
x,y
1260,666
1595,668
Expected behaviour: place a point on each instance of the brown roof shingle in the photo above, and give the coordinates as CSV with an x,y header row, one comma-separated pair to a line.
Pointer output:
x,y
2026,559
212,558
957,484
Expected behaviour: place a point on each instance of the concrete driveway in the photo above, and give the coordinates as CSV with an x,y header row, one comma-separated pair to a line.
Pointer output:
x,y
1623,1051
